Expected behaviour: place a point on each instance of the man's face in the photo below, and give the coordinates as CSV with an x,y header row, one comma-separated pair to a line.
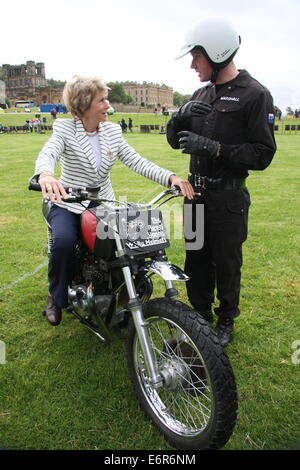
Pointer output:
x,y
201,65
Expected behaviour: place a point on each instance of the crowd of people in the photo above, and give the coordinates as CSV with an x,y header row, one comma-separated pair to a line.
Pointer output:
x,y
36,123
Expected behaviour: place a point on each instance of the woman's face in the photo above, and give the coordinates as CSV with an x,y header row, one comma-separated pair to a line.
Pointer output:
x,y
98,109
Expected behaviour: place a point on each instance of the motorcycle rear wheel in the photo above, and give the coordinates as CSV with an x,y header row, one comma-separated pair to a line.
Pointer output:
x,y
196,408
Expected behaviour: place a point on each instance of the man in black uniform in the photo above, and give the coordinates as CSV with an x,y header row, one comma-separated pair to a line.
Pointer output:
x,y
227,128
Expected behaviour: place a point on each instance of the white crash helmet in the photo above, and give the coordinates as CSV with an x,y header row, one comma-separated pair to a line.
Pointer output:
x,y
216,37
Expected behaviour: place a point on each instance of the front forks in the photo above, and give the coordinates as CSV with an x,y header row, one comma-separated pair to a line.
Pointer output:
x,y
141,327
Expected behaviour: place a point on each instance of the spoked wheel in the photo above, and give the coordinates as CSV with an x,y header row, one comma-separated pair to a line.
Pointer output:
x,y
197,404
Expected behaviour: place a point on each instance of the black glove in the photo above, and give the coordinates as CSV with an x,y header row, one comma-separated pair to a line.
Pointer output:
x,y
197,144
192,109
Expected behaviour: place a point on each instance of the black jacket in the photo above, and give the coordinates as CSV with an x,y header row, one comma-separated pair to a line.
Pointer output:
x,y
242,120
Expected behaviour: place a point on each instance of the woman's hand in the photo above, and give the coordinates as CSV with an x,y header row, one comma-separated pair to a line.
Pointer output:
x,y
52,188
185,186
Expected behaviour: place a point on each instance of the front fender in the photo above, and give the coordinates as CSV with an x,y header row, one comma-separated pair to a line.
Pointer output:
x,y
168,271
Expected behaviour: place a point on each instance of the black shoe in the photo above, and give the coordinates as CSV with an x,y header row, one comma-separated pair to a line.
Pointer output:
x,y
224,330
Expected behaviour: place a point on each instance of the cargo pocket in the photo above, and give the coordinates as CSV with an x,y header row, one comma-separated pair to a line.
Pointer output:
x,y
239,210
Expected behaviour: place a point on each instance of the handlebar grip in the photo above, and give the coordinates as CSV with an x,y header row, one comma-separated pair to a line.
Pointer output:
x,y
34,185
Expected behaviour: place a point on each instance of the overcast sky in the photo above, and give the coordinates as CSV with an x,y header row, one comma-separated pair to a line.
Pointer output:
x,y
138,40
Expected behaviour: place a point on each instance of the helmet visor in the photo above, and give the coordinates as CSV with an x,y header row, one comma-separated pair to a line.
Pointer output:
x,y
185,50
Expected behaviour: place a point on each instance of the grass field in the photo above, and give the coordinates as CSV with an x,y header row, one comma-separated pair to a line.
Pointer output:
x,y
62,389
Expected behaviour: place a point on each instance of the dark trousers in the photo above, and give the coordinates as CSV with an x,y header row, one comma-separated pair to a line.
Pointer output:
x,y
218,263
65,227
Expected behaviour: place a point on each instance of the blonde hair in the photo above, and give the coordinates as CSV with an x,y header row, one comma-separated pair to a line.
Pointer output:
x,y
80,92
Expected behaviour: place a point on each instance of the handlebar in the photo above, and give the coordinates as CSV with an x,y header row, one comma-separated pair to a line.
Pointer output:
x,y
90,193
34,185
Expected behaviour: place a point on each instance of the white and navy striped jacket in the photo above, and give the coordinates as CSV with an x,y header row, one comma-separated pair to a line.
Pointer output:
x,y
70,147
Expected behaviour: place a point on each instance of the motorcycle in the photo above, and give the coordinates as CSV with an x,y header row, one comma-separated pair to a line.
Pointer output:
x,y
181,375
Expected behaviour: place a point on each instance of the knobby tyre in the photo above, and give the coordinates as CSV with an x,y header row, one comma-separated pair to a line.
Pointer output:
x,y
197,406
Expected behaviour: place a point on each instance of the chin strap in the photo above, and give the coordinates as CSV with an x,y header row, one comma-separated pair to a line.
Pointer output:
x,y
214,75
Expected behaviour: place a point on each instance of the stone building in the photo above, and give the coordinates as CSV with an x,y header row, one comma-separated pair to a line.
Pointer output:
x,y
28,82
149,94
49,94
22,80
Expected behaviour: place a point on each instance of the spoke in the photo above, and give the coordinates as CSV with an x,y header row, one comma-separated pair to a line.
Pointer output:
x,y
184,401
157,330
188,410
193,387
174,405
198,409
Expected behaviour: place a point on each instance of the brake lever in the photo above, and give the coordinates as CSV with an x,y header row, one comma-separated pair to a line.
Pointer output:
x,y
175,190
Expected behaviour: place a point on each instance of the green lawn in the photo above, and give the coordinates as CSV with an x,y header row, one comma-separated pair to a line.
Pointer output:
x,y
62,389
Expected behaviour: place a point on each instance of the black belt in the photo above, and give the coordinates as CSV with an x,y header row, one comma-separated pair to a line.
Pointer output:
x,y
205,182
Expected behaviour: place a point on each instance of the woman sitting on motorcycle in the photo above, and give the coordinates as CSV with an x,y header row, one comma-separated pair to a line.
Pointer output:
x,y
86,146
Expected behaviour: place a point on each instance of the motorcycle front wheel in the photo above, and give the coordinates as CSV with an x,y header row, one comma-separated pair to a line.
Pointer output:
x,y
196,407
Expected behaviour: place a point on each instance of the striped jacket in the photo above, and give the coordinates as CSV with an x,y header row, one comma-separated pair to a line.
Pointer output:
x,y
70,147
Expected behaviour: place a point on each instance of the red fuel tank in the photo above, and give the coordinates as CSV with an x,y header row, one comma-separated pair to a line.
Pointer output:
x,y
89,228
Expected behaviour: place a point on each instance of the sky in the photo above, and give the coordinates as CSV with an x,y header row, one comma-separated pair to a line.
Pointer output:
x,y
138,40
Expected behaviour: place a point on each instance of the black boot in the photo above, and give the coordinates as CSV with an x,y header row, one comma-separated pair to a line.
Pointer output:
x,y
224,330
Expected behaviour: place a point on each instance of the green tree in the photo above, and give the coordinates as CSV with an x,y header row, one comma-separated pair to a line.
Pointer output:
x,y
116,93
55,83
179,99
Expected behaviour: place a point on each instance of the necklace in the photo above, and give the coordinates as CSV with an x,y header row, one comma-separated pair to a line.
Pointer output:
x,y
92,134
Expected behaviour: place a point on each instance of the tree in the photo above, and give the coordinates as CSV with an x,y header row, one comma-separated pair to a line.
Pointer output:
x,y
55,83
116,93
179,99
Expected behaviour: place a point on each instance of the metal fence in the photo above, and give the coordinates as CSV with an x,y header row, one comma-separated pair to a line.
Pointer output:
x,y
285,128
279,128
